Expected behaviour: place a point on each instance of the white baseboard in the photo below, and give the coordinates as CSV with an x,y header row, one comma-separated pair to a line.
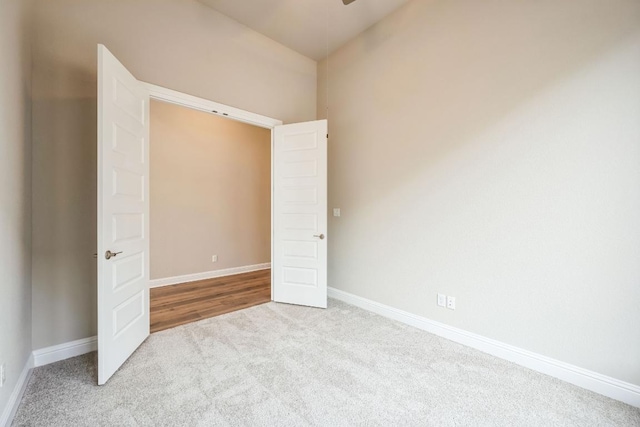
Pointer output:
x,y
6,418
601,384
156,283
41,357
56,353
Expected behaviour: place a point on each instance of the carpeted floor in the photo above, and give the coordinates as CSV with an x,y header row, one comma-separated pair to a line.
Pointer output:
x,y
282,365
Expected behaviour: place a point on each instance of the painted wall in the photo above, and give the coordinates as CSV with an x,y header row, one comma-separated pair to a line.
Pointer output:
x,y
210,190
182,45
491,151
15,193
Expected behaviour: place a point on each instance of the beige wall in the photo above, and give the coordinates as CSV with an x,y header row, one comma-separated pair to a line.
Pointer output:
x,y
491,151
210,192
180,44
15,193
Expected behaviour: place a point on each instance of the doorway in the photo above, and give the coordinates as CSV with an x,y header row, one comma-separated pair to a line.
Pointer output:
x,y
210,215
298,201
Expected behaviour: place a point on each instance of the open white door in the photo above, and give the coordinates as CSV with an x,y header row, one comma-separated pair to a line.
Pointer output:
x,y
123,212
299,259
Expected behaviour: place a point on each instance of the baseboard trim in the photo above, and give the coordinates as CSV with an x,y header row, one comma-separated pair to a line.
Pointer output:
x,y
601,384
56,353
167,281
6,418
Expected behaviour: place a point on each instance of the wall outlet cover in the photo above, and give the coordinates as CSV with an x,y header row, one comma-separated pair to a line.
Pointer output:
x,y
3,377
214,258
451,303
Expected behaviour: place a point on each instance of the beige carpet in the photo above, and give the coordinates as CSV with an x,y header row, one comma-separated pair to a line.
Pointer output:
x,y
282,365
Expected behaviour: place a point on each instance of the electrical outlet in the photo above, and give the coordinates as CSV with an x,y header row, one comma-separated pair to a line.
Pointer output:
x,y
214,258
3,377
451,303
336,211
442,300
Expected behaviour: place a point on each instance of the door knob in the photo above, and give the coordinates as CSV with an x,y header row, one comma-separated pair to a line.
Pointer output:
x,y
109,254
321,236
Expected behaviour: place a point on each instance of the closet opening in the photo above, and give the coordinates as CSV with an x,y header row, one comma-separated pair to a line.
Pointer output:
x,y
210,214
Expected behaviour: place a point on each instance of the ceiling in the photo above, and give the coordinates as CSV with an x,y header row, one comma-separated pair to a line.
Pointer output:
x,y
302,24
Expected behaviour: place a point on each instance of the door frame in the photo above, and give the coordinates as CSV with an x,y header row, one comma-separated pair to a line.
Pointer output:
x,y
160,93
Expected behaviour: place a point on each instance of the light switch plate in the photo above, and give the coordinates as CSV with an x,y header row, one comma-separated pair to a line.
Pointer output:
x,y
336,211
442,300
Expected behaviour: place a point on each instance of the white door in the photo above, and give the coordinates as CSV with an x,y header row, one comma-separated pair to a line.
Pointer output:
x,y
123,212
299,259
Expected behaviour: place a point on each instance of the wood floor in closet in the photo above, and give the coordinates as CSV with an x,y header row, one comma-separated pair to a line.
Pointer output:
x,y
189,302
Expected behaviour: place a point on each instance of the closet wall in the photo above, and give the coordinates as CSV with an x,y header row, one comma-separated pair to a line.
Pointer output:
x,y
210,188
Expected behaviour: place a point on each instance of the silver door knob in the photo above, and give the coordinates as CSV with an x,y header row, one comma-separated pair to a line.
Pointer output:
x,y
109,254
320,236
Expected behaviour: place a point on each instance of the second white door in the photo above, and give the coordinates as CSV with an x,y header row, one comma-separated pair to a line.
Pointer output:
x,y
299,259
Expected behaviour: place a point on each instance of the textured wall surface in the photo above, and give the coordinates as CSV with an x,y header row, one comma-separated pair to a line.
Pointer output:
x,y
491,151
15,192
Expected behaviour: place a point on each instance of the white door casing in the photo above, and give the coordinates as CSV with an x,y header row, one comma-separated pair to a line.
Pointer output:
x,y
299,259
123,212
